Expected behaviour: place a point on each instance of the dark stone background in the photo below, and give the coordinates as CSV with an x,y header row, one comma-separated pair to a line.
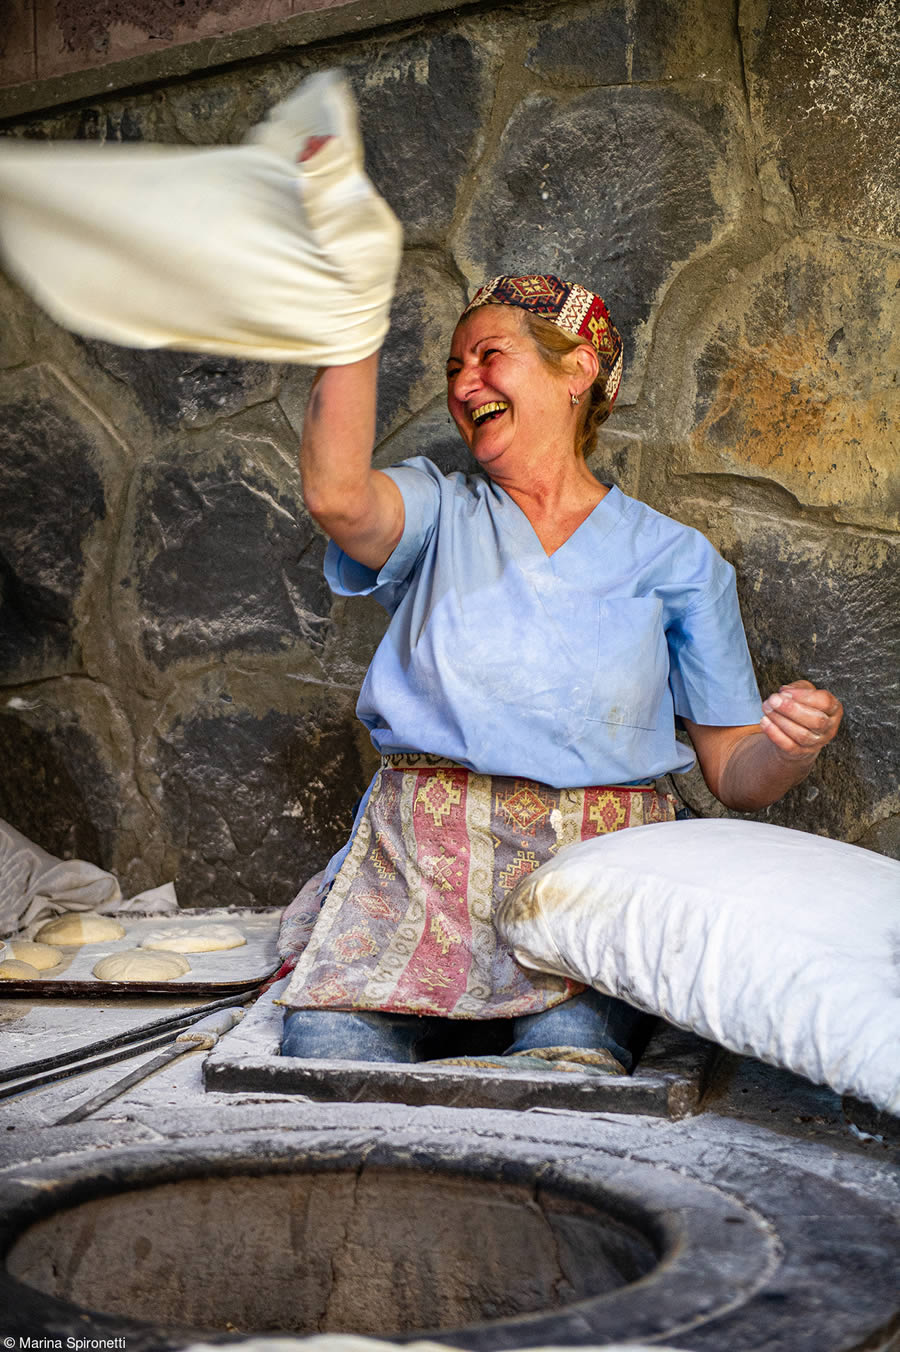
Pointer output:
x,y
178,683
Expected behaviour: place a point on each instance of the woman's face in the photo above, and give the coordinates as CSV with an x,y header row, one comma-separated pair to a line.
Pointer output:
x,y
501,393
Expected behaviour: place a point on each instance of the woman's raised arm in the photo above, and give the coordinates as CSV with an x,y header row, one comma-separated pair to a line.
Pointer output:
x,y
361,509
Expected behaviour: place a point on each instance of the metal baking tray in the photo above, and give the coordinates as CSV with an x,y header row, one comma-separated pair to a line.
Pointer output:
x,y
232,971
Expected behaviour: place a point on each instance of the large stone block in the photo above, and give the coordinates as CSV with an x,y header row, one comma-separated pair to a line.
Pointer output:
x,y
608,42
114,119
796,379
236,99
616,188
431,433
617,458
823,79
16,327
224,558
185,389
422,103
411,370
254,804
119,123
60,479
203,111
293,397
883,837
359,626
821,604
66,750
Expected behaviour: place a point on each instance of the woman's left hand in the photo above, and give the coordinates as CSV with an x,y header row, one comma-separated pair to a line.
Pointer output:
x,y
800,719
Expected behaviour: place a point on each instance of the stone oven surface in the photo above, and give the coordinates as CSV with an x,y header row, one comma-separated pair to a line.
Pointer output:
x,y
759,1217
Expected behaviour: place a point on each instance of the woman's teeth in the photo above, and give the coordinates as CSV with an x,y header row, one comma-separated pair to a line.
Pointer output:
x,y
480,415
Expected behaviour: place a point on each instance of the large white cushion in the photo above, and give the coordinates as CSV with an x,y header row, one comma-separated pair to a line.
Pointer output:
x,y
772,942
240,250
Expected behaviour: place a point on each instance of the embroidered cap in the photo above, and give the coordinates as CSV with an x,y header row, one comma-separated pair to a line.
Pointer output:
x,y
567,305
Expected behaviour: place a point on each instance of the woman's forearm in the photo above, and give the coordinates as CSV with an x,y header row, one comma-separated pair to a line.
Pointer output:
x,y
338,435
358,507
749,767
757,773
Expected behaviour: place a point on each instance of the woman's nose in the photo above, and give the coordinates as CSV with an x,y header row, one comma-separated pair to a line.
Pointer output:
x,y
464,383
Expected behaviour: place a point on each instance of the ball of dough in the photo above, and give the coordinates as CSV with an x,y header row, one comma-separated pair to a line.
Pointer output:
x,y
40,956
136,964
194,938
13,970
80,927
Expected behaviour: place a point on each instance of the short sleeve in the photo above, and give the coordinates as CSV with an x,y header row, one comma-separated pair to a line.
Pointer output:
x,y
711,675
419,483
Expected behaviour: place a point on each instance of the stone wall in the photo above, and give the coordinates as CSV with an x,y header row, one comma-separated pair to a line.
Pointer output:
x,y
178,683
55,52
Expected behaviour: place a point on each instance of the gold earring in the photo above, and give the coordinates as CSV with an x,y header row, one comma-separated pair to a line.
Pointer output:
x,y
576,399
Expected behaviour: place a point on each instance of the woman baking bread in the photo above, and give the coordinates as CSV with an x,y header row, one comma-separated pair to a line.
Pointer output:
x,y
545,633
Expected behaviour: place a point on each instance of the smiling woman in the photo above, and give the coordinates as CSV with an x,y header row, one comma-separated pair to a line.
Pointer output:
x,y
546,632
580,335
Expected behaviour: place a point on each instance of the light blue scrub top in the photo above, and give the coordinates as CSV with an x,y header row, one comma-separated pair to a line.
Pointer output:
x,y
566,669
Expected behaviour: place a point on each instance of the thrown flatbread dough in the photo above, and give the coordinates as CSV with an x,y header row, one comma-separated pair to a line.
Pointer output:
x,y
13,970
135,964
194,938
80,927
259,250
41,956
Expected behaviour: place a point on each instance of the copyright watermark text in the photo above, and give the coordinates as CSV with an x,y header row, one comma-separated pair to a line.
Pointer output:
x,y
70,1344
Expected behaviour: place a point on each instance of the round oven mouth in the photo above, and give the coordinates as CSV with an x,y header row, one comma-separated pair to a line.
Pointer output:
x,y
470,1246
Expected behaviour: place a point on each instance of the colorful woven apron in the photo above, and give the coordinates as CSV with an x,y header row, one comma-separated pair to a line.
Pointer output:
x,y
406,926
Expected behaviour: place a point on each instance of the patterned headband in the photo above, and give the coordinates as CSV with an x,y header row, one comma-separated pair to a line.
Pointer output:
x,y
567,305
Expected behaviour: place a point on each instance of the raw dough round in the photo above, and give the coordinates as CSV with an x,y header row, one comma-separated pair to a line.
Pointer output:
x,y
80,927
40,956
13,970
135,964
194,938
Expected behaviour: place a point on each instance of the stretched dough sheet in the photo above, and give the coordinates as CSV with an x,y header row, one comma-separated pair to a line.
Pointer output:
x,y
236,250
232,969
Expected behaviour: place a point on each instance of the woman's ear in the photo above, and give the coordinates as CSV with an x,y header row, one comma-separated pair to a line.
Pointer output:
x,y
585,366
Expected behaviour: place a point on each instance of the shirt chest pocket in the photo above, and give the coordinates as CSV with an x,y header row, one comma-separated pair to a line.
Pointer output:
x,y
631,665
527,650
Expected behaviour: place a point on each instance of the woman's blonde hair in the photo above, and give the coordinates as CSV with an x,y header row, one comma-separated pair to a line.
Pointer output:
x,y
554,343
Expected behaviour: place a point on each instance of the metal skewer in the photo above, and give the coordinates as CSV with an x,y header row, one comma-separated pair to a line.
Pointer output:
x,y
203,1035
80,1067
171,1022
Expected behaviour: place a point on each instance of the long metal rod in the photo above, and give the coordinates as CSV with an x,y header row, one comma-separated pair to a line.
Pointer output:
x,y
66,1072
204,1035
172,1021
139,1073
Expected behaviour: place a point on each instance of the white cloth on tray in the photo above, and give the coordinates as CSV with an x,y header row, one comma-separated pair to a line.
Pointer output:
x,y
36,886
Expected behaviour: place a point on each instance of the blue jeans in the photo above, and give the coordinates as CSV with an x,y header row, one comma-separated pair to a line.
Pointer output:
x,y
588,1020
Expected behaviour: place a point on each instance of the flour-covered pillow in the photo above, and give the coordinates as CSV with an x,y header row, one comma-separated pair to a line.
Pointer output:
x,y
774,943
